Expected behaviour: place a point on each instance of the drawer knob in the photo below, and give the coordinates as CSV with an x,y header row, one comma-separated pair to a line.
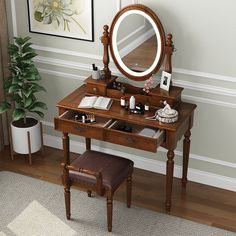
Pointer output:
x,y
129,140
95,89
79,129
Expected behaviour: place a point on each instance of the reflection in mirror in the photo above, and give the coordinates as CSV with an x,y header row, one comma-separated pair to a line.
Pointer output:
x,y
137,42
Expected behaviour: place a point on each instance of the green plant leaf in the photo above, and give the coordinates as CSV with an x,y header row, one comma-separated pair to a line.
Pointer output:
x,y
17,98
18,114
12,49
26,62
38,113
20,41
4,107
28,102
16,80
36,104
7,84
29,55
26,39
30,76
14,88
27,92
38,77
26,47
37,88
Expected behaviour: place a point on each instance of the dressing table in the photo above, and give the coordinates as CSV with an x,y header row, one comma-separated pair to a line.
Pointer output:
x,y
106,128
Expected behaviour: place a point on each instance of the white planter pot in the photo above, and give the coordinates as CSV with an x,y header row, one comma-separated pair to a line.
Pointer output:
x,y
20,138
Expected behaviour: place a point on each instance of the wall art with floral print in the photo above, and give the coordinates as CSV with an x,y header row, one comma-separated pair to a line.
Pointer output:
x,y
63,18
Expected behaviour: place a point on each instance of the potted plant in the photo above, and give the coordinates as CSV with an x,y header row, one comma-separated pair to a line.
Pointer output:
x,y
20,89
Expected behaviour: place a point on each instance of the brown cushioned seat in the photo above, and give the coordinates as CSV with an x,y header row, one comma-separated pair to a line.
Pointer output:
x,y
99,172
114,169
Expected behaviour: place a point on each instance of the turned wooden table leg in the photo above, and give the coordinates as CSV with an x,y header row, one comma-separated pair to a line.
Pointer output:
x,y
109,210
186,148
169,177
67,192
88,143
66,149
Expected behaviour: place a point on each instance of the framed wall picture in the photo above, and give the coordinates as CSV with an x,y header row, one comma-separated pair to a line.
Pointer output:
x,y
62,18
165,81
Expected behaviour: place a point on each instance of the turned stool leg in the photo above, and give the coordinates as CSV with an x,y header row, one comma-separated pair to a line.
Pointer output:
x,y
109,210
67,202
67,186
128,190
89,193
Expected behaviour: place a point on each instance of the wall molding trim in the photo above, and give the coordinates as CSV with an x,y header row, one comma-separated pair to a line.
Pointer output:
x,y
210,76
185,84
209,101
62,74
194,175
205,88
205,75
67,52
63,63
98,57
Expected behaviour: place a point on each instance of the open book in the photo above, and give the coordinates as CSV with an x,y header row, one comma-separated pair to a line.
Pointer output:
x,y
102,103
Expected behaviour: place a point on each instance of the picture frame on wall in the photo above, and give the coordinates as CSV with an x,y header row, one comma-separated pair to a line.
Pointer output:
x,y
62,18
165,80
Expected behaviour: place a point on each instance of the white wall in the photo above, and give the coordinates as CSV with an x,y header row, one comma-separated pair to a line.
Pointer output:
x,y
204,64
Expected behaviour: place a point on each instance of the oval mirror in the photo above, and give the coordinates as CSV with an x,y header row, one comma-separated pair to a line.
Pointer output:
x,y
137,42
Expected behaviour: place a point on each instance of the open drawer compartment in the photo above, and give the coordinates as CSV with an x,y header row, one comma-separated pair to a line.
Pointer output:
x,y
71,122
133,135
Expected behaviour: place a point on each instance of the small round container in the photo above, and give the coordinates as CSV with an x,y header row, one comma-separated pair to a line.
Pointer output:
x,y
164,117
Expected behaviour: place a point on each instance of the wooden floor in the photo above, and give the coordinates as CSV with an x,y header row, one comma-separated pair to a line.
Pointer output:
x,y
143,56
199,203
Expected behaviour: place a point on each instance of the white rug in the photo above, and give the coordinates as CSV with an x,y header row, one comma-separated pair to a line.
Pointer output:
x,y
38,221
2,234
31,207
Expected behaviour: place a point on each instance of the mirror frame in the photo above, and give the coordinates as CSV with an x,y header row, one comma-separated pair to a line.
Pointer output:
x,y
160,34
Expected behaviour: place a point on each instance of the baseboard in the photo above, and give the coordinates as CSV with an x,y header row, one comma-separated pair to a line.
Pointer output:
x,y
194,175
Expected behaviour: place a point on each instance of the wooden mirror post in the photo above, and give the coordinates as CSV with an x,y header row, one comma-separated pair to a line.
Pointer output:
x,y
169,48
105,39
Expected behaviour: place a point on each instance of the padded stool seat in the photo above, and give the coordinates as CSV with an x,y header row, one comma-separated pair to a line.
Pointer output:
x,y
100,172
114,169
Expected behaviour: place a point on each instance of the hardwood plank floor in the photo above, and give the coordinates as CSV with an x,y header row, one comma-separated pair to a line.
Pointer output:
x,y
199,203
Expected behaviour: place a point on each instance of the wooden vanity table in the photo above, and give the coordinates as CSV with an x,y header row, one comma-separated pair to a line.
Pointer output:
x,y
106,127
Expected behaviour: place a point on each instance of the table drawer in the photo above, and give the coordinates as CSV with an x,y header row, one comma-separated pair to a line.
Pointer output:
x,y
137,138
96,89
67,123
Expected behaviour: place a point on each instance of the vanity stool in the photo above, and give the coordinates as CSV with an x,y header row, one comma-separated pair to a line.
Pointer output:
x,y
99,172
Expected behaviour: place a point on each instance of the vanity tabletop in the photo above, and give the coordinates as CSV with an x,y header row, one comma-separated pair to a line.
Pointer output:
x,y
72,101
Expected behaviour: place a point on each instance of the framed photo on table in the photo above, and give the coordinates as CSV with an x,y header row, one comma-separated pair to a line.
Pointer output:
x,y
165,81
62,18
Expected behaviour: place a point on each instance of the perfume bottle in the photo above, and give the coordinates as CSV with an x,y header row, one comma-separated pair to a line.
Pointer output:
x,y
146,107
122,101
132,103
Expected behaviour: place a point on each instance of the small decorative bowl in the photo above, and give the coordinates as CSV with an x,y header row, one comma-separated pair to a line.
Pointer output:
x,y
164,117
